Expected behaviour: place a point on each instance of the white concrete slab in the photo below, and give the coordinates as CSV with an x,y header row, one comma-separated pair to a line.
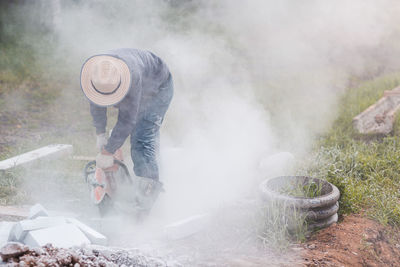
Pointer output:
x,y
186,227
21,228
37,210
64,236
94,236
5,229
50,151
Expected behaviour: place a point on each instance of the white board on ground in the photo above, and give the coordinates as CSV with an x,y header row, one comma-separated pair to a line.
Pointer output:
x,y
50,151
94,236
186,227
14,211
65,236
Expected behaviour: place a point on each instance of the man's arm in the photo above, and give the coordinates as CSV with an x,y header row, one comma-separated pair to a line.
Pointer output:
x,y
99,115
125,124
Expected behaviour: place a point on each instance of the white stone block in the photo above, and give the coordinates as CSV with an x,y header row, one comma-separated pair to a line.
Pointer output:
x,y
36,211
65,236
50,151
5,230
186,227
94,236
23,227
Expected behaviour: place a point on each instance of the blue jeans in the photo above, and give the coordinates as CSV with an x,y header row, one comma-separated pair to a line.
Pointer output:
x,y
145,138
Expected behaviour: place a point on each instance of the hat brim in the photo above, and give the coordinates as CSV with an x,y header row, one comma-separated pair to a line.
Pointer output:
x,y
105,99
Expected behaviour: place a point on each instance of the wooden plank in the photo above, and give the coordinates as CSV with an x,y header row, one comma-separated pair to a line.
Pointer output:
x,y
17,211
83,158
50,151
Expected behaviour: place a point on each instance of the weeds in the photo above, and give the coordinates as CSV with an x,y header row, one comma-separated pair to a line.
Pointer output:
x,y
297,189
281,225
10,191
364,168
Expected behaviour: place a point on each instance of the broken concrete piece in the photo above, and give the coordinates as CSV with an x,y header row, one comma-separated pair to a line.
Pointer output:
x,y
36,211
187,227
50,151
13,249
94,236
65,236
21,228
5,229
379,118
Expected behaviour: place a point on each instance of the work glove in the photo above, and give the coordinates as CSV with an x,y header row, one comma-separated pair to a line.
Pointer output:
x,y
104,160
147,192
101,141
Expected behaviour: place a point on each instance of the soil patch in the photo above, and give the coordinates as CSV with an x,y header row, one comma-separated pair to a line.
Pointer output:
x,y
356,241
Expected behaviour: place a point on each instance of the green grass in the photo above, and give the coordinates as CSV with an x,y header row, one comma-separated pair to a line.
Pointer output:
x,y
366,169
280,225
10,187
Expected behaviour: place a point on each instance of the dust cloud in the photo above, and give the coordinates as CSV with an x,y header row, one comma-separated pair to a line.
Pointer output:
x,y
252,78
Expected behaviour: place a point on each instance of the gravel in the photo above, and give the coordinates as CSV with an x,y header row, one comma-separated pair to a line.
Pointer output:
x,y
80,257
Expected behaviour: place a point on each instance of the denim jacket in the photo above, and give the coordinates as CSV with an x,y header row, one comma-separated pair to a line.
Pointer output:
x,y
148,73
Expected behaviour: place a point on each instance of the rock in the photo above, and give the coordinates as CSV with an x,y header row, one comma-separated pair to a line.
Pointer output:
x,y
312,246
36,211
13,249
379,118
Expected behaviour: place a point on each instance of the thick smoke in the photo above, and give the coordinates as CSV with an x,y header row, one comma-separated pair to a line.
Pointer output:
x,y
251,77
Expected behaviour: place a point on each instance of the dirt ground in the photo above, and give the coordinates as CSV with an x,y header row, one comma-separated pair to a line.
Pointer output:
x,y
356,241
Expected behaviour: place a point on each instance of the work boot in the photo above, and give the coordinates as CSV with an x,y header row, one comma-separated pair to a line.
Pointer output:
x,y
147,191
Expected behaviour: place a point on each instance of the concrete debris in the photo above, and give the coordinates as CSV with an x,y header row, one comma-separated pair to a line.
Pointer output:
x,y
94,236
23,227
63,236
13,249
36,211
5,230
186,227
379,118
52,256
59,231
47,152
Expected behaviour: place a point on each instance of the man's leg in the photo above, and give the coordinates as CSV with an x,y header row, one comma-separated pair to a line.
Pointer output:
x,y
145,141
144,149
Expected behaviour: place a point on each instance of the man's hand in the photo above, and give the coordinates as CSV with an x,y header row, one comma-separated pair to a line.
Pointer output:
x,y
104,159
101,141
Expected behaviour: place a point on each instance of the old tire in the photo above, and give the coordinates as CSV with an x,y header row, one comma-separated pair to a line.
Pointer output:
x,y
319,212
329,193
323,223
322,213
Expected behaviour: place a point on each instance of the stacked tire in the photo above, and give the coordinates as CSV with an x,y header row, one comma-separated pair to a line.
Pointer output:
x,y
319,212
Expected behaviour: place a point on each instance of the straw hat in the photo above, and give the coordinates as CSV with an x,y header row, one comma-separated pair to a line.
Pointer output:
x,y
105,80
